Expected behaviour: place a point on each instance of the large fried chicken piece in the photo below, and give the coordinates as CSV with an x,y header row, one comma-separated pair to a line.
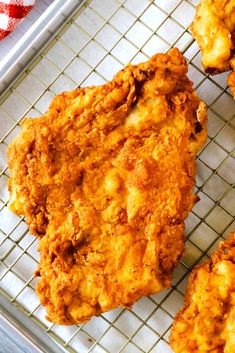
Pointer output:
x,y
206,324
105,180
214,30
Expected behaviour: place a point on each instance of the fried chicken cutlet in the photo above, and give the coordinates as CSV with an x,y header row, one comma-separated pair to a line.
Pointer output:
x,y
214,30
206,323
105,180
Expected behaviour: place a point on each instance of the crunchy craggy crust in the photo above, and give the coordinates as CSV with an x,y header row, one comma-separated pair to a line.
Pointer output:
x,y
105,180
214,30
206,323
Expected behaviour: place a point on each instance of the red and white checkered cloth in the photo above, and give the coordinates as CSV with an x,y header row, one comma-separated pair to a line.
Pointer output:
x,y
12,13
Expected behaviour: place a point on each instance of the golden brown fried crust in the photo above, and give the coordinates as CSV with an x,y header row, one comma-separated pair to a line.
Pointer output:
x,y
105,180
214,30
206,323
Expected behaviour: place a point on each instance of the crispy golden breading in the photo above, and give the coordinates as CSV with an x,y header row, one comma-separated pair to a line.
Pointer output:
x,y
206,323
214,30
105,179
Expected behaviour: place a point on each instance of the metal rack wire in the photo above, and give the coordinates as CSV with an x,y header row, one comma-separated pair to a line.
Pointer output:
x,y
101,38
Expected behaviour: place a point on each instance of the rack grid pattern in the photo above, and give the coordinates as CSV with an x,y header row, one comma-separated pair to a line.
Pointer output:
x,y
101,38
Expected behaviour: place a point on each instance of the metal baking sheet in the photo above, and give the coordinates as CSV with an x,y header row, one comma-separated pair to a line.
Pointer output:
x,y
30,37
99,39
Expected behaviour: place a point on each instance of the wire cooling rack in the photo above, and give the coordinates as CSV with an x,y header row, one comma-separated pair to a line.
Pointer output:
x,y
100,39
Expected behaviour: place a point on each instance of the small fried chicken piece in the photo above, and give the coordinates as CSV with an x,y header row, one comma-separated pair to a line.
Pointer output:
x,y
206,323
105,180
231,77
214,30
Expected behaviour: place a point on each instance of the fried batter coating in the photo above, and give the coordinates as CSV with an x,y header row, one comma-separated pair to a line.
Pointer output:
x,y
206,323
214,30
105,180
